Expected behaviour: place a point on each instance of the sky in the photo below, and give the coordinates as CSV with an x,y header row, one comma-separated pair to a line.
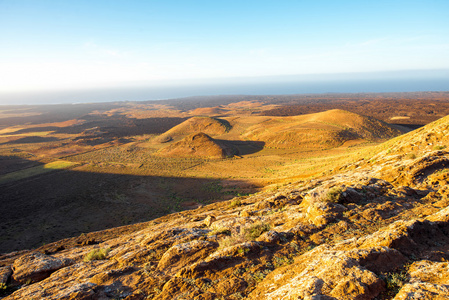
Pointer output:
x,y
61,45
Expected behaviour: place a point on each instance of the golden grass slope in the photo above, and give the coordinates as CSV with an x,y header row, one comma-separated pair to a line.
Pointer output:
x,y
207,125
199,145
418,159
433,136
320,130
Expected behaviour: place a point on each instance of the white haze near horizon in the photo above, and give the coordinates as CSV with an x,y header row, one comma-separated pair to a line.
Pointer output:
x,y
379,82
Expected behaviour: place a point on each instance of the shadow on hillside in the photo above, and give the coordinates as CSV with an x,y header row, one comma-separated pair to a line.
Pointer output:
x,y
244,147
32,140
112,126
410,127
65,203
10,164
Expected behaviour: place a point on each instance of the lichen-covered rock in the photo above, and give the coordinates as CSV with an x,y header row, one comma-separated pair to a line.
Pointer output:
x,y
378,259
430,271
83,291
36,266
423,291
270,237
320,210
321,273
184,254
428,280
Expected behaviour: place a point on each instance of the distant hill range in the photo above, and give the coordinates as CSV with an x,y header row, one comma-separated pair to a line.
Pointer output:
x,y
322,130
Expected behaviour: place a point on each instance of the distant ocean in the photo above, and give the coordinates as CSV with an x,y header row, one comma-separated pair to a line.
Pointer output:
x,y
256,86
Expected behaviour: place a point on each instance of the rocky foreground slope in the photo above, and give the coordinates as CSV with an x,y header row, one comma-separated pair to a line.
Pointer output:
x,y
375,229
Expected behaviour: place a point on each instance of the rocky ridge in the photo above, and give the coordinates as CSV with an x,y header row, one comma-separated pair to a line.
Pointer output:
x,y
374,229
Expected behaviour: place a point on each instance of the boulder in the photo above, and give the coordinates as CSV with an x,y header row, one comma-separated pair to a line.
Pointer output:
x,y
36,266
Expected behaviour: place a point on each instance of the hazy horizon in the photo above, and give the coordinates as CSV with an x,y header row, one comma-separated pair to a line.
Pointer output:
x,y
374,82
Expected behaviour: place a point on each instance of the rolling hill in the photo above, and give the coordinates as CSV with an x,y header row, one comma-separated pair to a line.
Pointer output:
x,y
207,125
200,145
321,130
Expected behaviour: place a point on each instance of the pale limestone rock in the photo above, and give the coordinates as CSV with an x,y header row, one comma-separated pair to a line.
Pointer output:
x,y
440,216
37,266
71,282
327,273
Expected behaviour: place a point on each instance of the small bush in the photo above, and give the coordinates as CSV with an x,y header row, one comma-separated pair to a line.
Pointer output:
x,y
439,147
232,240
220,230
235,203
279,261
333,195
253,231
394,281
259,276
411,156
248,233
97,254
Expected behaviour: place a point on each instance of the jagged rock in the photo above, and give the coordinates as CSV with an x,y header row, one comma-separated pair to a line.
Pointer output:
x,y
235,222
430,271
350,195
409,237
440,216
184,254
423,291
229,286
110,276
378,259
321,273
36,266
209,220
319,211
82,291
270,237
5,274
179,286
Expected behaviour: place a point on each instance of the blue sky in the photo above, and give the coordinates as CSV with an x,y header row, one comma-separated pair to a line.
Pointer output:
x,y
57,45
